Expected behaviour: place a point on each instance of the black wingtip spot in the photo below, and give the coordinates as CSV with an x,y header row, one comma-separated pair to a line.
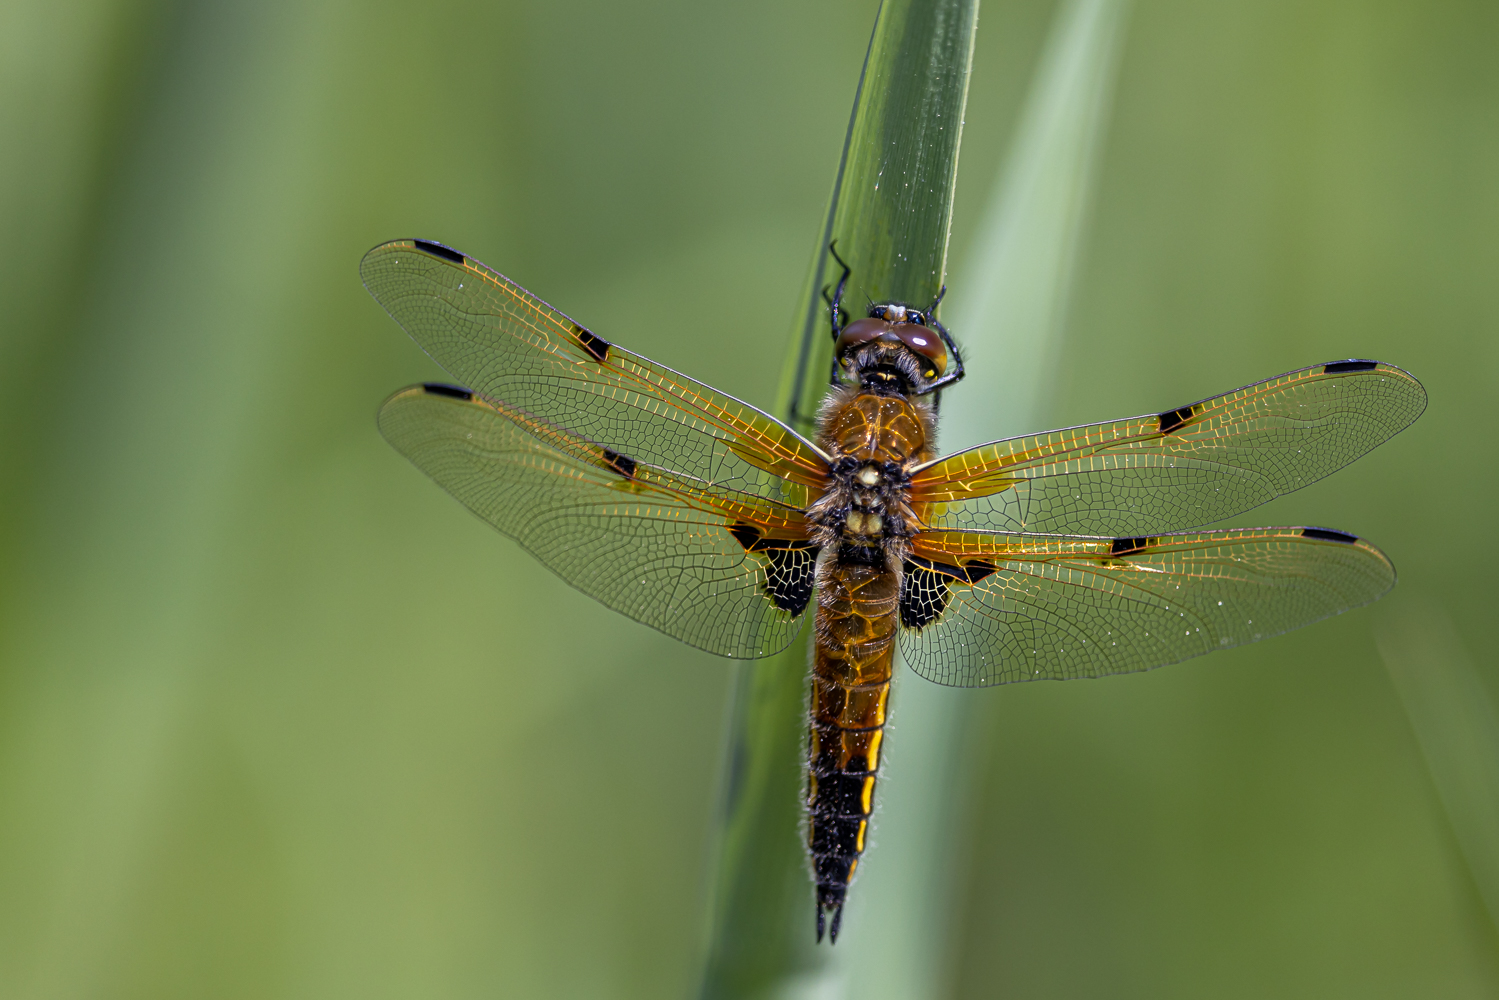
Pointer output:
x,y
1328,535
1124,546
595,345
438,250
443,389
1172,419
1339,367
622,464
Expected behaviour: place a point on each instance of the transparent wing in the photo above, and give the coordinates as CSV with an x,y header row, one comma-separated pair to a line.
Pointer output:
x,y
508,345
1178,469
984,609
725,571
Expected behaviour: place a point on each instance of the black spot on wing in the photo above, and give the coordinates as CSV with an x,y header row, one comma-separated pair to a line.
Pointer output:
x,y
790,570
622,464
1124,546
438,250
595,345
923,595
977,570
443,389
746,535
1328,535
1172,419
1339,367
789,578
925,587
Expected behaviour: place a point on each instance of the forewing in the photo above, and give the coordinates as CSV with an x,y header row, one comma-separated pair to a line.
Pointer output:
x,y
508,345
996,609
725,571
1174,470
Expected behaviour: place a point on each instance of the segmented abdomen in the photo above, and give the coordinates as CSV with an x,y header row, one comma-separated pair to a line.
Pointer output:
x,y
851,667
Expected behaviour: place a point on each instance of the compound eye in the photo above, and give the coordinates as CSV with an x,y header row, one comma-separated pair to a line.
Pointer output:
x,y
925,342
858,333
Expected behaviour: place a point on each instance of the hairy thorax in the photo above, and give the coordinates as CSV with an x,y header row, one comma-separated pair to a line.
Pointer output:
x,y
875,440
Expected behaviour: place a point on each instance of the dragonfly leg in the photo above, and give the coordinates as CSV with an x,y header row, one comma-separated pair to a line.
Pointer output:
x,y
836,311
957,356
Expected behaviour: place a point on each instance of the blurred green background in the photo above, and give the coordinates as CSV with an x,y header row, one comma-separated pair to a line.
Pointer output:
x,y
279,719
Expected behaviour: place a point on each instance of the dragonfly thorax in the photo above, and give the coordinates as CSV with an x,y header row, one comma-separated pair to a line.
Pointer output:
x,y
864,517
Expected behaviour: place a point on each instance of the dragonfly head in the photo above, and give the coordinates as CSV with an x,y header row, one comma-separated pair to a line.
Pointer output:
x,y
892,351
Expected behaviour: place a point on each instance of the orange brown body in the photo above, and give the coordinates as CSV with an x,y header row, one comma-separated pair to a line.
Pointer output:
x,y
862,525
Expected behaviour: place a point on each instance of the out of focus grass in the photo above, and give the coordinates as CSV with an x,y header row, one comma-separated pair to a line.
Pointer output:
x,y
279,719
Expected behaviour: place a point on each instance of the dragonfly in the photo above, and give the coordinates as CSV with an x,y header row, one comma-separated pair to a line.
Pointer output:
x,y
1073,553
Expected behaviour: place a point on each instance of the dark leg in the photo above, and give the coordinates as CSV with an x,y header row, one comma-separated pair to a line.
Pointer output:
x,y
835,305
957,356
932,312
836,313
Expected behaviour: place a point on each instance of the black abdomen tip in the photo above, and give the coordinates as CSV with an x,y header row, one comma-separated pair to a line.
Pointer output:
x,y
443,389
1340,367
438,250
1328,535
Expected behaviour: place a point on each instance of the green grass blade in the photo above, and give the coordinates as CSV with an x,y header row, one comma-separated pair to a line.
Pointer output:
x,y
892,202
890,212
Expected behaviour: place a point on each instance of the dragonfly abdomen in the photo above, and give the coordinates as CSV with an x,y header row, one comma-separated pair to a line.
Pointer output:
x,y
852,661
